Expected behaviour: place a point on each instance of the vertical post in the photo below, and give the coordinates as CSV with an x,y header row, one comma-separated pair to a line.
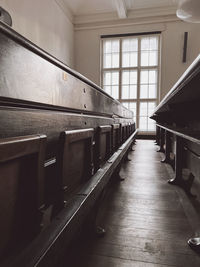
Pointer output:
x,y
167,147
178,162
157,135
120,135
162,140
185,46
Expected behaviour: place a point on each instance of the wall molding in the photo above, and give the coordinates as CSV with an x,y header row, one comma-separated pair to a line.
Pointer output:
x,y
129,22
111,19
135,17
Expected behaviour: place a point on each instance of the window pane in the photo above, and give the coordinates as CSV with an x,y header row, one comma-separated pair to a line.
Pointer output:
x,y
125,45
111,83
151,125
133,44
151,107
107,46
144,91
133,59
152,76
115,60
133,91
115,46
145,123
125,77
130,45
129,77
129,84
149,43
153,43
125,60
130,52
152,91
144,58
143,109
133,77
125,92
111,53
149,51
153,58
107,78
132,107
129,59
107,61
145,43
148,84
144,78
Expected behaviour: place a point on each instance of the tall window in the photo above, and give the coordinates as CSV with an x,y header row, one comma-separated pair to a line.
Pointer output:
x,y
130,71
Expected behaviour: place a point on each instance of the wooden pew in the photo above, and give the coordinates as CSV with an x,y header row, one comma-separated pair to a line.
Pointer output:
x,y
76,159
21,190
178,129
103,145
116,136
39,95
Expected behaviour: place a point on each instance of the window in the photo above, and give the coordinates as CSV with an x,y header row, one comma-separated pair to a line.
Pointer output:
x,y
130,71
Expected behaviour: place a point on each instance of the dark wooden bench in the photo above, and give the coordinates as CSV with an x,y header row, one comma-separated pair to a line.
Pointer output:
x,y
83,149
76,159
116,136
103,145
178,129
21,190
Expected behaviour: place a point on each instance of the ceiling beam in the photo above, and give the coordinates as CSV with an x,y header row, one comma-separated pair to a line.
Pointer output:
x,y
121,8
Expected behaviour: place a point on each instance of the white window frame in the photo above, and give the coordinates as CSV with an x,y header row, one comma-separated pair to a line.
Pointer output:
x,y
138,68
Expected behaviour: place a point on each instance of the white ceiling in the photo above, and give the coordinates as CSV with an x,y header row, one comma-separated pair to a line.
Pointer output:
x,y
89,7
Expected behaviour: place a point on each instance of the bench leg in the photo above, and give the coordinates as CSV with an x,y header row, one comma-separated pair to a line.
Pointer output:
x,y
126,158
117,174
162,141
187,185
178,162
157,135
167,148
93,225
194,242
133,143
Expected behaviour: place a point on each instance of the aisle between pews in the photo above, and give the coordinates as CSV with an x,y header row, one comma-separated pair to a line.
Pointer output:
x,y
146,219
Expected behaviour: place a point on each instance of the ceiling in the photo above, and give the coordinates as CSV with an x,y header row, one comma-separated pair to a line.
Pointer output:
x,y
121,7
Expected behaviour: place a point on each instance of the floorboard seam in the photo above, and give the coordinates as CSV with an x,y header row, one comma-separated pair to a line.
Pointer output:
x,y
191,214
121,258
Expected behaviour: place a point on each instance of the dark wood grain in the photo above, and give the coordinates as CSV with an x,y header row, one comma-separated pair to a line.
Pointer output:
x,y
145,221
39,95
21,190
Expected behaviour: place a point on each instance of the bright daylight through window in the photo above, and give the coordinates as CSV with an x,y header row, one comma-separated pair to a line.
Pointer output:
x,y
130,67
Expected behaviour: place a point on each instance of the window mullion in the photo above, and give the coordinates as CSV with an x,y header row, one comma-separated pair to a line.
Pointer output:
x,y
101,76
138,84
120,69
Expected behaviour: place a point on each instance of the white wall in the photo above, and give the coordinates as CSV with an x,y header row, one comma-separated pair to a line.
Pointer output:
x,y
87,49
46,24
172,51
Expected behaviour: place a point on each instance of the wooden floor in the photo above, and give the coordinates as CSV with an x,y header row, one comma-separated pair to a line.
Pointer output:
x,y
145,222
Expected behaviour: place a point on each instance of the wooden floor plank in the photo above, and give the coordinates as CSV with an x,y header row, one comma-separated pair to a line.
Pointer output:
x,y
144,218
149,254
103,261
